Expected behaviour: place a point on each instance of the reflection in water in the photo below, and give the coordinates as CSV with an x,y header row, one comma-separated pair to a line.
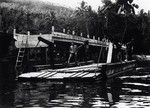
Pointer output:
x,y
132,93
7,84
59,95
7,96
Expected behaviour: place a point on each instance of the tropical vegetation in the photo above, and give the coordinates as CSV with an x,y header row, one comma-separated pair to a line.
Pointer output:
x,y
115,21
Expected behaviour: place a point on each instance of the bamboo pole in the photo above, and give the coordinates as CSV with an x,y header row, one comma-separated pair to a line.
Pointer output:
x,y
110,51
53,29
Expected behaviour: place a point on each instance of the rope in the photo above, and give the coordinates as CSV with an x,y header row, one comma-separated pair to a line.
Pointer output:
x,y
99,58
100,53
125,29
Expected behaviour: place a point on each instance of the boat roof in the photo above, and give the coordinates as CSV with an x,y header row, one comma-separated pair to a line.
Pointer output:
x,y
30,41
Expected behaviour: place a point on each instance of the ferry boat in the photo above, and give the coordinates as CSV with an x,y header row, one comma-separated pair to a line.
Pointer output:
x,y
33,52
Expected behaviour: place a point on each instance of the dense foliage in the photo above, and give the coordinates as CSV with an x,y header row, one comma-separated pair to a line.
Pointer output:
x,y
108,21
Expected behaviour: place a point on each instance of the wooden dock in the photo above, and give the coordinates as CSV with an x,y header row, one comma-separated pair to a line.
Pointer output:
x,y
90,72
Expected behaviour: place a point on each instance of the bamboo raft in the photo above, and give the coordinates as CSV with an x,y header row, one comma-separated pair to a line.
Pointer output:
x,y
95,71
88,71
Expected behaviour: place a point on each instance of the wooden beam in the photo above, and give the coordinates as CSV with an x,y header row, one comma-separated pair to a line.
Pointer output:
x,y
110,51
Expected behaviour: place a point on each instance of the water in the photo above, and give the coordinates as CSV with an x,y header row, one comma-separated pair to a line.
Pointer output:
x,y
133,92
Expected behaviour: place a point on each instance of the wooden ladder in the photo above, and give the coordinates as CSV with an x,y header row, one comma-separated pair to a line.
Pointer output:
x,y
19,61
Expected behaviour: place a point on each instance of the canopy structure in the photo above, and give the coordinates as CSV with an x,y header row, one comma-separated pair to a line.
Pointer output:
x,y
30,41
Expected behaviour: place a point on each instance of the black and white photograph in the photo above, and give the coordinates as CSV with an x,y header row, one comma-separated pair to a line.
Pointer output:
x,y
74,53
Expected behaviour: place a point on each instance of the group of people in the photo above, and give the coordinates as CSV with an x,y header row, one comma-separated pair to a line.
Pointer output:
x,y
74,51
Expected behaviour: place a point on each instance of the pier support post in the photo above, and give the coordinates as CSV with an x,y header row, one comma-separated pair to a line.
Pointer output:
x,y
110,51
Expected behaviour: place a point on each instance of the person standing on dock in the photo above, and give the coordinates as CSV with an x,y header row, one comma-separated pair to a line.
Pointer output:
x,y
73,52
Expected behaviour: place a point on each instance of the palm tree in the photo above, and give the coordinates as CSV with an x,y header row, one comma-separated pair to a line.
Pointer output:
x,y
120,22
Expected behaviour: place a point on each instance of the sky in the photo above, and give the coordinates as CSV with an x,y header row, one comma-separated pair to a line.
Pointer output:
x,y
143,4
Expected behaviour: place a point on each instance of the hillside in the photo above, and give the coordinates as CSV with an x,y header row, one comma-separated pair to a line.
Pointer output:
x,y
35,16
36,7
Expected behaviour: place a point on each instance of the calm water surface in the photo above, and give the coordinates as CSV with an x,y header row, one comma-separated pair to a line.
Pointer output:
x,y
134,92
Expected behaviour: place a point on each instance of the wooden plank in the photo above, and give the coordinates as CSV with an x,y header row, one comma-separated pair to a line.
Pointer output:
x,y
81,68
85,73
90,75
30,75
57,76
48,74
51,75
76,74
43,74
67,75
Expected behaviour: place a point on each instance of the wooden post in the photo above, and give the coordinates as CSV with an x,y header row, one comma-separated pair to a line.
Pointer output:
x,y
27,38
53,29
64,30
28,33
14,36
110,51
73,33
28,51
14,33
110,98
